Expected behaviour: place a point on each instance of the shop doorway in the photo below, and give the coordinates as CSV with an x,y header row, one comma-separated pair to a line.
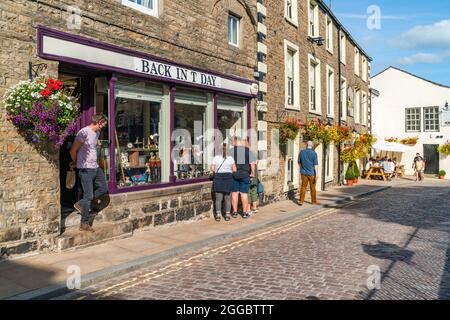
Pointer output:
x,y
68,197
431,156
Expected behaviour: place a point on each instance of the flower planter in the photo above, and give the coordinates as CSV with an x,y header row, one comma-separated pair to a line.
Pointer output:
x,y
350,182
442,177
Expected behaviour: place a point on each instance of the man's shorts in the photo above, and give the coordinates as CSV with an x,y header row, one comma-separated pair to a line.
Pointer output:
x,y
241,185
253,195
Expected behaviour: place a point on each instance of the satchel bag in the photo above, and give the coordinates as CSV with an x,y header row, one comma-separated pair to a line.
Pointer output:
x,y
71,178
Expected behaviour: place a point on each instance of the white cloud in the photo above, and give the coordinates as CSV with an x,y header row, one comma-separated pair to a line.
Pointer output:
x,y
429,58
428,36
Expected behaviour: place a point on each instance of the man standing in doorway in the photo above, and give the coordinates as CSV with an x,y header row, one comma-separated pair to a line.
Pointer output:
x,y
309,166
84,155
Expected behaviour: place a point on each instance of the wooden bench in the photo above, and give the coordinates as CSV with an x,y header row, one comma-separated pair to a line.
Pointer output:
x,y
377,172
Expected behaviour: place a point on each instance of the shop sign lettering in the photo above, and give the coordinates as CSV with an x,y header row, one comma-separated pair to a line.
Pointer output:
x,y
176,73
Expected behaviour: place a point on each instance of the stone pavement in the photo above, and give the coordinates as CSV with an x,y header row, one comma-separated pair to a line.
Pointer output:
x,y
39,275
398,237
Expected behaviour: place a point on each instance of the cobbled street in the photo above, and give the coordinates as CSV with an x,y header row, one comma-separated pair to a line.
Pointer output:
x,y
404,232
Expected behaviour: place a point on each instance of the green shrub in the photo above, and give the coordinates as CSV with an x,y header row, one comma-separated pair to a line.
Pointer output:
x,y
356,170
442,173
350,173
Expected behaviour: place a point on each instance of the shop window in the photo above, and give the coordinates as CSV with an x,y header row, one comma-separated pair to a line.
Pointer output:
x,y
146,6
192,120
140,154
230,118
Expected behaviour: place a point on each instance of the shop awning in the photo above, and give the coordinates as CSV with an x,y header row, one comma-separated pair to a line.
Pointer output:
x,y
383,145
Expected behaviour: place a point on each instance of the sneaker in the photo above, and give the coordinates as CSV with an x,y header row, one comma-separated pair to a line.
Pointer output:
x,y
227,217
77,206
217,217
234,214
86,227
255,211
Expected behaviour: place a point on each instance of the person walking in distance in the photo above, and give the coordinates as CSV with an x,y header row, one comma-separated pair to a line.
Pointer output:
x,y
309,166
84,155
419,167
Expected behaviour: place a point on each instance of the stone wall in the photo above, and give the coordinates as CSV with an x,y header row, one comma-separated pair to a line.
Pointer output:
x,y
186,31
278,30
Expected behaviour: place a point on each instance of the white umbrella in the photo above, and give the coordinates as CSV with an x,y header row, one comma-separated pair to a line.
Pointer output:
x,y
383,145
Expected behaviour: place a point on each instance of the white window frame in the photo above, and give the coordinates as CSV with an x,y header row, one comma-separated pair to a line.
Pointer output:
x,y
317,85
329,34
419,120
139,7
296,72
357,58
329,163
330,92
364,69
364,104
294,8
434,119
314,19
343,45
238,23
344,98
357,106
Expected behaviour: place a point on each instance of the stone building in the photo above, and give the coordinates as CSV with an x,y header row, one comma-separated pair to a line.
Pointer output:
x,y
152,66
315,69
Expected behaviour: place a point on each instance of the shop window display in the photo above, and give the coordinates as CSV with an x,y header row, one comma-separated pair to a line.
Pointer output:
x,y
137,134
230,118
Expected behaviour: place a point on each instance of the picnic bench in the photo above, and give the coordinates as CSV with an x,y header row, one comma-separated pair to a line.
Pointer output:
x,y
376,172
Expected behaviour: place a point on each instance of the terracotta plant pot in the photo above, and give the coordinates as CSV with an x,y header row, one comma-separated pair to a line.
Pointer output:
x,y
350,182
441,177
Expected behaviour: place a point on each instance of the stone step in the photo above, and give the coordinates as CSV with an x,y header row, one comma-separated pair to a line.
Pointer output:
x,y
73,238
72,219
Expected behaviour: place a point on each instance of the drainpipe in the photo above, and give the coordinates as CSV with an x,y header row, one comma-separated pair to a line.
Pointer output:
x,y
340,99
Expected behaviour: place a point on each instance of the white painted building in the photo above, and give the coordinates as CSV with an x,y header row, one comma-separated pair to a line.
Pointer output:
x,y
410,106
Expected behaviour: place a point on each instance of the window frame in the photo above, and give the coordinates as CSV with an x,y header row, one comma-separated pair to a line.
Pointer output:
x,y
343,101
330,92
329,163
294,15
343,45
436,119
317,85
357,106
364,110
289,46
237,28
314,20
329,34
364,69
357,60
420,119
139,7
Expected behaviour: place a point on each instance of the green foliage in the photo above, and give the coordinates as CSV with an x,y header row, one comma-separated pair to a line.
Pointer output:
x,y
442,173
350,173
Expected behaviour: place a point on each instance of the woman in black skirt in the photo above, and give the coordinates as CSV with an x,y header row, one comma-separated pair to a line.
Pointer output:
x,y
223,167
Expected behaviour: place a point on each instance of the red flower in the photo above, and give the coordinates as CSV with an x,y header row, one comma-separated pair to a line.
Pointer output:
x,y
58,84
46,93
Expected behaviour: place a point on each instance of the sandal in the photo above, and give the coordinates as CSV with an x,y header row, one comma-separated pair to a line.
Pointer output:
x,y
234,214
245,215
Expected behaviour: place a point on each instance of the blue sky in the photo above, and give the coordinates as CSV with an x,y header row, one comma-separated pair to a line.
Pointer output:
x,y
414,34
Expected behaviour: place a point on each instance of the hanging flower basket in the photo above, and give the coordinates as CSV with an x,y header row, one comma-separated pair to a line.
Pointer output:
x,y
313,131
289,130
445,148
391,139
43,110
